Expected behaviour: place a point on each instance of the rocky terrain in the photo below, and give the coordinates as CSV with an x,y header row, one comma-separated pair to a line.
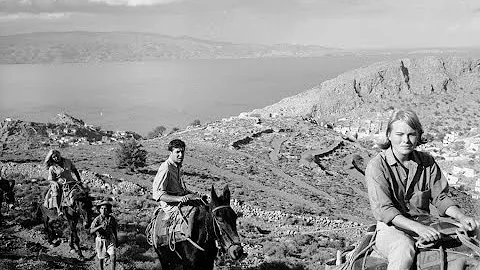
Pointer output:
x,y
83,47
435,87
293,167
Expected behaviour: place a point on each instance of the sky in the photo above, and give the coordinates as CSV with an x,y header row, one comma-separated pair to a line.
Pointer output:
x,y
348,24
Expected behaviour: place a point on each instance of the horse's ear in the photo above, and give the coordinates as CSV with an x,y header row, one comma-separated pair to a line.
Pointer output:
x,y
213,194
226,193
12,183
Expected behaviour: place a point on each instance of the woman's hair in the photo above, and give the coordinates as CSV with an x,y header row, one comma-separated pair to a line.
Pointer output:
x,y
409,117
176,143
48,159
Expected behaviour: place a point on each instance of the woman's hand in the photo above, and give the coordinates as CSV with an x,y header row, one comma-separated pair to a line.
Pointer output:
x,y
426,233
469,223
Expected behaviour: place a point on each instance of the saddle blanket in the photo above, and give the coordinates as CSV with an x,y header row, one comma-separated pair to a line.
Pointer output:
x,y
172,227
65,198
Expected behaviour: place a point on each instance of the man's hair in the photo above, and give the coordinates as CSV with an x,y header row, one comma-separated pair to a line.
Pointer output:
x,y
176,143
409,117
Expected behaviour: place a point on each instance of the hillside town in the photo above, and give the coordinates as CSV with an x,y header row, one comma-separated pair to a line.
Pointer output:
x,y
64,130
455,153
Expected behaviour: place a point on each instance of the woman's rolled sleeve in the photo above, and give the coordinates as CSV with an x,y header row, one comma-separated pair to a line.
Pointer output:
x,y
379,194
439,186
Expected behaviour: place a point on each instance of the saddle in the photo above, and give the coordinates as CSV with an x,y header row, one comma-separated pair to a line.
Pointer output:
x,y
69,192
168,229
66,195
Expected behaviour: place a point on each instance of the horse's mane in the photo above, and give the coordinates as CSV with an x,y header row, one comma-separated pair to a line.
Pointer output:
x,y
81,194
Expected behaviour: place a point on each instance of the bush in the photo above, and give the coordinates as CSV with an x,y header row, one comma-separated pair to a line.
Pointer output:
x,y
157,132
175,129
195,123
131,155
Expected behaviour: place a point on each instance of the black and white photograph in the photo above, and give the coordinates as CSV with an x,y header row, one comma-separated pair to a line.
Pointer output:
x,y
240,134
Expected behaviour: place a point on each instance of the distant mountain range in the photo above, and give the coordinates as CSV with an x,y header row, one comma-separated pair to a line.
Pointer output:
x,y
83,47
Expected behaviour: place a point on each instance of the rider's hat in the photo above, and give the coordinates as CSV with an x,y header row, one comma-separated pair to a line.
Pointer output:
x,y
107,203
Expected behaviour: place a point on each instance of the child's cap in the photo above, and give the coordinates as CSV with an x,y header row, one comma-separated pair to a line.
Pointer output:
x,y
107,203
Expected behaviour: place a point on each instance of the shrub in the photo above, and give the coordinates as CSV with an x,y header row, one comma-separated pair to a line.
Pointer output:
x,y
175,129
195,123
131,155
157,132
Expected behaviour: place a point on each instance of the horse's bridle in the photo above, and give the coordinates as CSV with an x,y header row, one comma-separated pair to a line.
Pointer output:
x,y
220,232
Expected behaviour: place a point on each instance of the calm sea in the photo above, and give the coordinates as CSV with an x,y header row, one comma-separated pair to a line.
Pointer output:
x,y
141,96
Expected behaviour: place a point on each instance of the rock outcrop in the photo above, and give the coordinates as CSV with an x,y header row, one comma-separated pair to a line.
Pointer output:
x,y
66,119
65,130
381,84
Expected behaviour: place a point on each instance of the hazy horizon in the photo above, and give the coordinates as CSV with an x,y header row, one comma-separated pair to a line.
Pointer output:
x,y
345,24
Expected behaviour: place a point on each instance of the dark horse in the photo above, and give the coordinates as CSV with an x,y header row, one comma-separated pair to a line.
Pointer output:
x,y
214,228
7,194
82,207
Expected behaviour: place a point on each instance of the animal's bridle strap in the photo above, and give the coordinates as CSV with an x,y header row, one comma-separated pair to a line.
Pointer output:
x,y
220,207
221,231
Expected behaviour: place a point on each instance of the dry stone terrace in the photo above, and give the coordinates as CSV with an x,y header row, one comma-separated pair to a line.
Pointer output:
x,y
272,158
97,182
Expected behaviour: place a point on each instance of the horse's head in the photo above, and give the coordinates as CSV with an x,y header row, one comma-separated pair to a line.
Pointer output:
x,y
8,192
225,223
84,205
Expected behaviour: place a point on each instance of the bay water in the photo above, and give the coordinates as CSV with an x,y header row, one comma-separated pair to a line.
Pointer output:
x,y
138,96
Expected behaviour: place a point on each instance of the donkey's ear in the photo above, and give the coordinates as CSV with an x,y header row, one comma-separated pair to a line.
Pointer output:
x,y
226,193
213,194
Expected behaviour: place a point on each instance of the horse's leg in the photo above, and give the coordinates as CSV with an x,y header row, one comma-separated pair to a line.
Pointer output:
x,y
48,227
74,239
166,258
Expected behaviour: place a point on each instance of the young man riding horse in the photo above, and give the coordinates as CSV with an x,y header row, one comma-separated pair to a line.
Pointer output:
x,y
208,222
168,186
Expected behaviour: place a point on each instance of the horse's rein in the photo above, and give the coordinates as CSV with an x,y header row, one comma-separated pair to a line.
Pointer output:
x,y
4,198
221,231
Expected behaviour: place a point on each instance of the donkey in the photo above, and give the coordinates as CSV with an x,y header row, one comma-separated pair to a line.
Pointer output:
x,y
214,230
82,208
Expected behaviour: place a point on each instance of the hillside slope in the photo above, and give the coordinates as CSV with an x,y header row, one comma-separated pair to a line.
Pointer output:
x,y
432,86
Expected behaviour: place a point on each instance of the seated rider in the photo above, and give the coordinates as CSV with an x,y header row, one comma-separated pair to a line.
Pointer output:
x,y
60,177
402,183
168,186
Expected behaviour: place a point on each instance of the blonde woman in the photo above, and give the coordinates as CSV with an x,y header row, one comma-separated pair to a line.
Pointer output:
x,y
402,183
60,171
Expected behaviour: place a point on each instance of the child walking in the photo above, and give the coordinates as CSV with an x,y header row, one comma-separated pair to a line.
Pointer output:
x,y
105,226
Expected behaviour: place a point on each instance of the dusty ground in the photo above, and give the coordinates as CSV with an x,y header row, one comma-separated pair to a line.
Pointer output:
x,y
293,183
